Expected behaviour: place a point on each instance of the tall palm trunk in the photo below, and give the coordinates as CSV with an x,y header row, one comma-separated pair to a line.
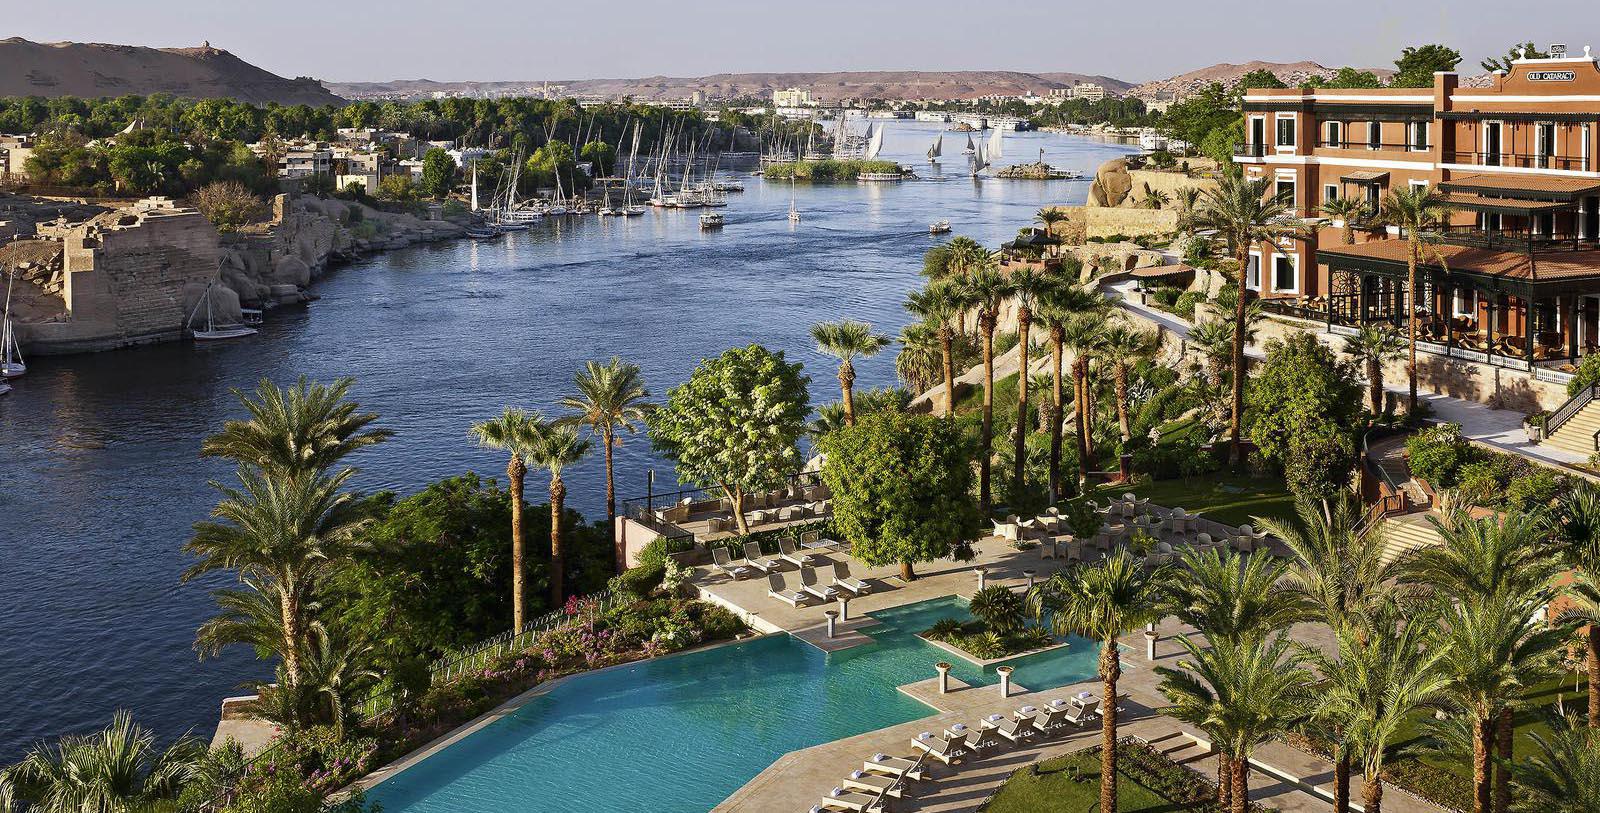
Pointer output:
x,y
289,608
1080,375
1341,779
1056,339
1375,384
847,381
1594,675
558,499
1411,328
946,346
1236,421
1224,781
1372,794
1110,672
1241,785
608,438
516,474
1504,746
986,435
1024,318
1480,766
1122,400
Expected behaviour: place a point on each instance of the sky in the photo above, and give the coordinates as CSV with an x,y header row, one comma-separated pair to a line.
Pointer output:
x,y
581,39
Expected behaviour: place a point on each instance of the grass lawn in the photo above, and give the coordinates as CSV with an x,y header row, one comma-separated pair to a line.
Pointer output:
x,y
1050,786
1228,498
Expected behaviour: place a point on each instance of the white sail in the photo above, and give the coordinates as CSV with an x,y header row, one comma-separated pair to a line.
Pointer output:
x,y
474,186
875,143
970,150
11,365
994,143
938,147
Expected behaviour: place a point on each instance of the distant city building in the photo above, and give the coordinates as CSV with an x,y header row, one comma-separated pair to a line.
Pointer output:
x,y
14,153
792,97
1079,90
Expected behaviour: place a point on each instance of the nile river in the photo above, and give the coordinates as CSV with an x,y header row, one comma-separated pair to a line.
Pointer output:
x,y
100,478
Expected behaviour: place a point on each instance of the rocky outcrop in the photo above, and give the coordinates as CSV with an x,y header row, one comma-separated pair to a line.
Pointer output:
x,y
1111,185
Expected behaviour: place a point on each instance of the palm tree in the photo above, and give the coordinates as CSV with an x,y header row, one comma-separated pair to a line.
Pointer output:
x,y
555,447
942,305
1228,596
1188,198
1415,210
1386,667
918,365
1058,306
1244,216
845,340
987,289
1048,217
1154,199
1578,531
1124,346
1083,335
1340,572
610,397
1349,210
284,534
306,427
515,431
1103,601
1564,776
113,770
1372,347
967,256
1242,693
336,667
1027,286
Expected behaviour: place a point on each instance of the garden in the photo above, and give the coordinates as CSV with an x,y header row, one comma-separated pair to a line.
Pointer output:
x,y
1147,782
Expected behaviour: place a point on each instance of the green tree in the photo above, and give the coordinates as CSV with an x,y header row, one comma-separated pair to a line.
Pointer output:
x,y
1304,395
1027,287
293,430
1103,601
1577,519
611,397
1351,211
986,289
602,155
1244,216
1372,347
1260,78
1058,307
516,432
1417,65
555,447
846,340
902,487
438,173
1524,51
117,769
398,187
1242,693
941,305
1348,77
1564,776
1048,217
1415,210
227,204
1124,346
1228,596
735,424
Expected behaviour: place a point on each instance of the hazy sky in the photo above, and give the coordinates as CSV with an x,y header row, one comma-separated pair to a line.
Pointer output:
x,y
535,39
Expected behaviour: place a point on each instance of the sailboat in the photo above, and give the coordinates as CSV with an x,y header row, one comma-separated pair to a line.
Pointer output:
x,y
214,330
994,143
629,208
11,365
979,162
606,209
874,144
794,214
936,150
970,150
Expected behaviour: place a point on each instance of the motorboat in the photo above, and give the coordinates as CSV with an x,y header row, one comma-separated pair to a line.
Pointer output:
x,y
939,227
711,220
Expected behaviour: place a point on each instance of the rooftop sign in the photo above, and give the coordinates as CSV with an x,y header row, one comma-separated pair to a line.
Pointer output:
x,y
1551,76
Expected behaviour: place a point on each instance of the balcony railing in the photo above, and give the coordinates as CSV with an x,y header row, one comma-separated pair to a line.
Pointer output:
x,y
1255,150
1367,145
1517,160
1524,242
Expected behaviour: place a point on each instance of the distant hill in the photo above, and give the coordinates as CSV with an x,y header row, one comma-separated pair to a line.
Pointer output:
x,y
893,85
1291,73
94,70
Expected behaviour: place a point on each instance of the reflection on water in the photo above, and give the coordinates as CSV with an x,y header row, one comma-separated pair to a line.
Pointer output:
x,y
100,478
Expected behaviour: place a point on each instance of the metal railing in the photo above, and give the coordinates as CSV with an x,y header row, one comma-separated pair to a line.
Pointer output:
x,y
1251,150
1572,407
1526,242
1420,149
1518,160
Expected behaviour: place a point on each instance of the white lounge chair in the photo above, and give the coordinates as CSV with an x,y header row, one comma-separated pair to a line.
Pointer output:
x,y
1008,531
812,586
979,740
940,748
895,766
873,784
844,581
778,589
724,563
788,553
754,558
841,799
1012,729
1077,716
1050,720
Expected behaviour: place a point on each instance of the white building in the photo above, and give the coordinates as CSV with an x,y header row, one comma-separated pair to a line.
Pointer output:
x,y
792,97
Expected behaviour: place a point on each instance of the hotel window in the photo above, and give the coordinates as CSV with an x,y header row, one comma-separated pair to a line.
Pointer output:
x,y
1252,273
1374,135
1374,196
1545,143
1284,278
1284,188
1286,131
1465,302
1417,135
1333,134
1491,144
1330,192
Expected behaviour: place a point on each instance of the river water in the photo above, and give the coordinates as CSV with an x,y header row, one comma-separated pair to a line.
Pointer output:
x,y
100,477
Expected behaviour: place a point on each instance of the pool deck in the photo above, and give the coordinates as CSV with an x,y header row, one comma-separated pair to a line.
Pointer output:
x,y
1284,778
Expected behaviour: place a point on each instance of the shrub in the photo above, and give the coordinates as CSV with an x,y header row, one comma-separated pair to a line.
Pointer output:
x,y
654,552
1184,305
675,577
716,622
640,581
1588,375
944,628
1436,454
1536,489
999,608
227,204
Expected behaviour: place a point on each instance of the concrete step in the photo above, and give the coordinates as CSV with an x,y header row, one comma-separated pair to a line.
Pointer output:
x,y
1402,536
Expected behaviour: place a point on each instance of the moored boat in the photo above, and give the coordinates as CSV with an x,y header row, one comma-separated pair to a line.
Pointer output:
x,y
939,227
711,220
214,330
11,365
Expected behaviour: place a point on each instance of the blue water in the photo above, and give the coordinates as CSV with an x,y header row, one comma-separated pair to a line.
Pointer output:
x,y
682,733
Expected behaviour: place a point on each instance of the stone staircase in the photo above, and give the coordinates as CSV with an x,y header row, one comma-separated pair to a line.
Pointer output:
x,y
1577,435
1404,534
1181,749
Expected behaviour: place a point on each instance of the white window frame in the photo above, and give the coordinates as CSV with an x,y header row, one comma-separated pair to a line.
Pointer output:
x,y
1483,143
1333,134
1265,131
1330,187
1468,295
1374,131
1583,147
1541,144
1411,138
1294,272
1253,270
1294,131
1414,182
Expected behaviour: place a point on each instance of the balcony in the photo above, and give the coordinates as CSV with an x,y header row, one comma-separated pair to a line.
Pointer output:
x,y
1517,160
1255,150
1522,242
1382,146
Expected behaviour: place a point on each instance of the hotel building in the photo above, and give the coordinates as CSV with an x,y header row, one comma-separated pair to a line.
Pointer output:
x,y
1514,278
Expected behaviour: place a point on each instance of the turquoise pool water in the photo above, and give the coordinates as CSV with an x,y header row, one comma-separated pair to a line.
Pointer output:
x,y
681,733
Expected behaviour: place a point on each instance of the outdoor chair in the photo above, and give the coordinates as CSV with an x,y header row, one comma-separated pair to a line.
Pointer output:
x,y
789,553
1008,530
841,799
754,558
811,586
872,784
779,589
842,578
724,563
1011,728
940,748
895,766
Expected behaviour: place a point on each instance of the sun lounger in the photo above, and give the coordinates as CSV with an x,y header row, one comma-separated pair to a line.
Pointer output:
x,y
788,553
979,740
1077,716
1050,720
1011,728
842,799
753,558
895,766
778,589
843,580
939,748
811,586
724,563
873,784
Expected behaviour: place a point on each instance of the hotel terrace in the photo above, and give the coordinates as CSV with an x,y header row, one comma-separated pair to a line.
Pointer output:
x,y
1519,285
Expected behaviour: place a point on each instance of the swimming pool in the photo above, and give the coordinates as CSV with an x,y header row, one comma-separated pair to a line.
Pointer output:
x,y
681,733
